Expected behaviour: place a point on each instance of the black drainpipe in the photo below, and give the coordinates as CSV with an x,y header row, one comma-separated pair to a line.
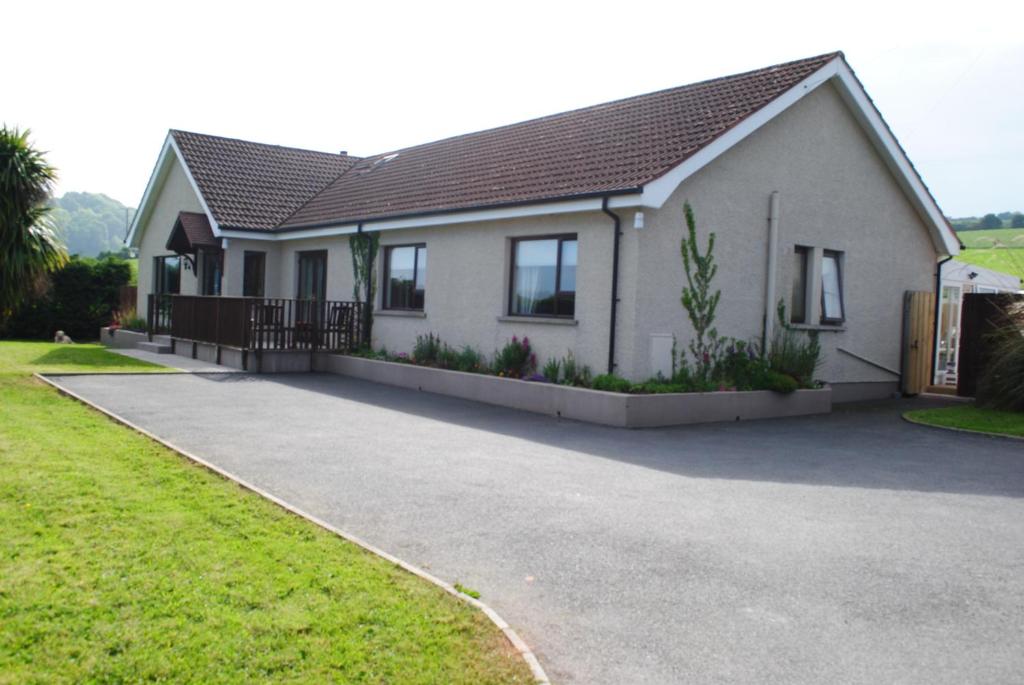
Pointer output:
x,y
615,282
938,303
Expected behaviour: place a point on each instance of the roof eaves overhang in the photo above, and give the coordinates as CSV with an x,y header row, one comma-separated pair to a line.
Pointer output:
x,y
168,153
622,197
838,72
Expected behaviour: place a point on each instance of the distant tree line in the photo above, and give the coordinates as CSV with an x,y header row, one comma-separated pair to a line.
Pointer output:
x,y
989,221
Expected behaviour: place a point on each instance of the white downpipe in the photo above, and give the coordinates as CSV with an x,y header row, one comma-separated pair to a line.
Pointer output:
x,y
773,258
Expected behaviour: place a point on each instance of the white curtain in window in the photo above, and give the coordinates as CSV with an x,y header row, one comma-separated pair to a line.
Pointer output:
x,y
831,295
536,261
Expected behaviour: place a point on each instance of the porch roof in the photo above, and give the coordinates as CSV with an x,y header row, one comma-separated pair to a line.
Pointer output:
x,y
191,231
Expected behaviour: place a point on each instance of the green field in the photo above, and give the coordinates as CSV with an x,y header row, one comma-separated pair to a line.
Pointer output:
x,y
996,237
1001,249
120,561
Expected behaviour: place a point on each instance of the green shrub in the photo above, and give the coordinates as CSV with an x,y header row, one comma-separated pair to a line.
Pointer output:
x,y
80,300
794,353
551,369
780,382
516,359
427,349
659,387
573,373
470,360
1001,385
129,320
611,383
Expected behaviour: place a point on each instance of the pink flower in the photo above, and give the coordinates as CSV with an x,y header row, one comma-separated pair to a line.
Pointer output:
x,y
515,339
526,342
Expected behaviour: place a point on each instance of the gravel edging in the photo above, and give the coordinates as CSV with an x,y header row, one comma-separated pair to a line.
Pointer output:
x,y
918,422
510,634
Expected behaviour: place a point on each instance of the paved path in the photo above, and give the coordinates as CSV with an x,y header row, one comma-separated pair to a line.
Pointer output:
x,y
853,548
176,361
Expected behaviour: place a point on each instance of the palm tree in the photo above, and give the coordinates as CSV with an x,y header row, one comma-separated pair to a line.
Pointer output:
x,y
29,247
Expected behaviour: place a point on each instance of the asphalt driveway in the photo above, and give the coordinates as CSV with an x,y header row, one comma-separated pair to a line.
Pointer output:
x,y
853,548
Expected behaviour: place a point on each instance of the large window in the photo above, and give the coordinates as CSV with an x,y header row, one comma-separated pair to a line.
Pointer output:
x,y
312,275
831,288
209,269
254,272
167,275
405,276
544,277
798,301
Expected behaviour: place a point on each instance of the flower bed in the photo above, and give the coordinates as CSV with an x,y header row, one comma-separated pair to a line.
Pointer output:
x,y
582,404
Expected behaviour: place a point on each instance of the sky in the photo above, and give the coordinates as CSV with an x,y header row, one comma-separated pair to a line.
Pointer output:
x,y
99,83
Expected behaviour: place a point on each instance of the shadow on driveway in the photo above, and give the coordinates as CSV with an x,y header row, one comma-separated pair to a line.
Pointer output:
x,y
863,445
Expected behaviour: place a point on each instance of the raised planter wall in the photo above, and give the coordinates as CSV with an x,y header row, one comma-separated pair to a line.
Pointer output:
x,y
265,361
121,339
581,404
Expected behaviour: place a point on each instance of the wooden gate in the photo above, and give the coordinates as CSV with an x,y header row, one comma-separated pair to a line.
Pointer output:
x,y
918,340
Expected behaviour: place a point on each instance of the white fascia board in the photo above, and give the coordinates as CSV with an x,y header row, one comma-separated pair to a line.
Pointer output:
x,y
658,191
478,216
853,93
290,235
838,72
155,179
169,152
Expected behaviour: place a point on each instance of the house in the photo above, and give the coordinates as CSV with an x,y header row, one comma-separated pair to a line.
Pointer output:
x,y
566,228
959,279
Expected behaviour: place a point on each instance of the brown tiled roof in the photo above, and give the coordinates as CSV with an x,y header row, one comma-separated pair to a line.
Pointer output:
x,y
252,185
614,147
191,230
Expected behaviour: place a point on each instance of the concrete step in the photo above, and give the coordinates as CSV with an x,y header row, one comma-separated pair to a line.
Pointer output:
x,y
162,339
155,347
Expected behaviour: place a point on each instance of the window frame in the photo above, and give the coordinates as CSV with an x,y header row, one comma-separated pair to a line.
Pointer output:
x,y
838,257
298,273
386,290
204,259
263,272
561,238
160,274
807,254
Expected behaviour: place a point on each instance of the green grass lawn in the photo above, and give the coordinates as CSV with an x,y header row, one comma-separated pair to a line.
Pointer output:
x,y
970,417
994,237
121,561
1007,260
1001,249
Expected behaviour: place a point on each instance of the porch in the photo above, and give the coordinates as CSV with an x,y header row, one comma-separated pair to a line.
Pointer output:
x,y
255,333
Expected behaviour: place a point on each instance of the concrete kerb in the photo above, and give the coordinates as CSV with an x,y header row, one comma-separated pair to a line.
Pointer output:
x,y
510,634
918,422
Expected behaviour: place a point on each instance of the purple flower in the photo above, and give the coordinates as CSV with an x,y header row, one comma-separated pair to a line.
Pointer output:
x,y
515,339
526,341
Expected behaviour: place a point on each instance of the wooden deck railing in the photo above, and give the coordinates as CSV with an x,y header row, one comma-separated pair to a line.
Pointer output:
x,y
259,323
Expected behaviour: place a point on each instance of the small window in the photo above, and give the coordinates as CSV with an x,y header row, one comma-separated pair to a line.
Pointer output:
x,y
167,275
544,277
254,272
798,300
210,270
405,277
312,275
831,288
